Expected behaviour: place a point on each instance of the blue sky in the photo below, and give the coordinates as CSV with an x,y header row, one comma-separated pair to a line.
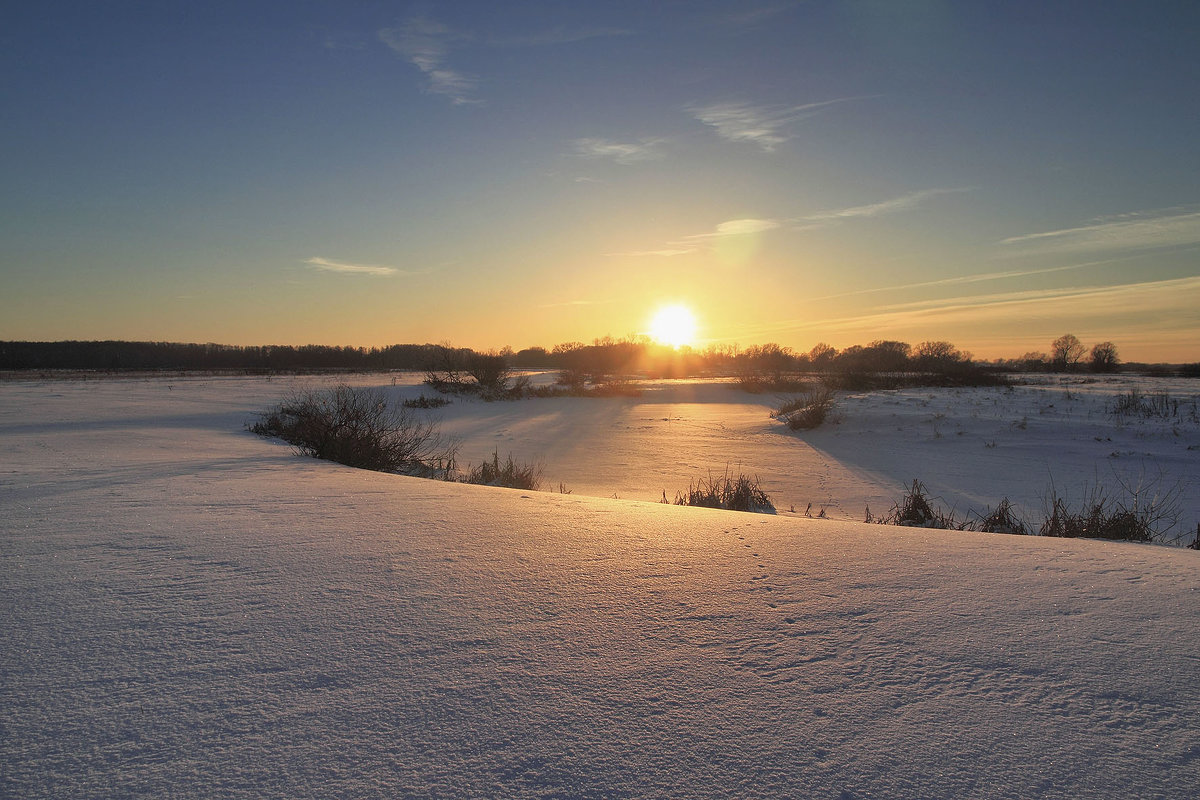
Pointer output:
x,y
994,174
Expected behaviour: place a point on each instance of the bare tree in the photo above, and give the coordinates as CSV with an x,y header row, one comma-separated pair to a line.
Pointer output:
x,y
1066,352
822,355
1104,357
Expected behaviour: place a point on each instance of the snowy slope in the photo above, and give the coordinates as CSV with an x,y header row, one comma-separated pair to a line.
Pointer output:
x,y
191,611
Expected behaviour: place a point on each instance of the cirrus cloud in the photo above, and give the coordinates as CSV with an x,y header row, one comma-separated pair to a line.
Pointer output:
x,y
1170,228
747,226
326,265
646,149
425,43
763,126
901,203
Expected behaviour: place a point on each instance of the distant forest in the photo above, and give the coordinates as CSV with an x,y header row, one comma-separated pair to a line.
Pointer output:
x,y
604,357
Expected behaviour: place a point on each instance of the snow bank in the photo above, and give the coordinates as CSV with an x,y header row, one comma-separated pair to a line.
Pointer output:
x,y
191,611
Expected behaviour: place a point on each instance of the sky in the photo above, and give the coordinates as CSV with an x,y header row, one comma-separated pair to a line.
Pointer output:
x,y
994,174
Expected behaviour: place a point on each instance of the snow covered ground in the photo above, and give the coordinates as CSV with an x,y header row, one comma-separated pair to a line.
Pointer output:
x,y
188,610
970,447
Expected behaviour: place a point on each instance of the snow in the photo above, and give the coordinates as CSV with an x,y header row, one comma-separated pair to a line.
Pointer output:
x,y
191,611
970,447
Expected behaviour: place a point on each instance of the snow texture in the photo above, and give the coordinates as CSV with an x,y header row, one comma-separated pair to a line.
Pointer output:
x,y
191,611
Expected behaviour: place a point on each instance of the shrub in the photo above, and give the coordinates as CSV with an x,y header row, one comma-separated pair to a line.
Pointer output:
x,y
574,379
427,402
614,388
806,411
487,375
1144,514
509,474
916,511
1002,520
356,427
494,378
1095,520
1157,405
448,372
732,494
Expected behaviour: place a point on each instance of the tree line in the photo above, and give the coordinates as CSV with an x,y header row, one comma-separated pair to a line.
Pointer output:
x,y
580,363
121,355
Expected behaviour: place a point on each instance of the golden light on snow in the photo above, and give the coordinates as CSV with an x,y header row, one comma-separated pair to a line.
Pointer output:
x,y
674,325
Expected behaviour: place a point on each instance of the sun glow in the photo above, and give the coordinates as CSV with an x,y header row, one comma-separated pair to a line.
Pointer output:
x,y
674,326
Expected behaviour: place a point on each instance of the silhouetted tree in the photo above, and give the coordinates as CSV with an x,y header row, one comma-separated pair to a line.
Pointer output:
x,y
938,355
887,356
532,358
1066,352
822,355
1104,357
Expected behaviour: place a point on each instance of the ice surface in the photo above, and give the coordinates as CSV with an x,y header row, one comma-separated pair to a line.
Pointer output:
x,y
191,611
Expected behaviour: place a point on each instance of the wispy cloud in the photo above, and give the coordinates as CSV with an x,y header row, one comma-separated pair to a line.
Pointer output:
x,y
762,126
1170,228
326,265
983,277
647,149
901,203
1161,305
691,243
751,225
425,43
737,227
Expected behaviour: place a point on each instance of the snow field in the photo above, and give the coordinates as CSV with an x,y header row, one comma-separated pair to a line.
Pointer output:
x,y
192,611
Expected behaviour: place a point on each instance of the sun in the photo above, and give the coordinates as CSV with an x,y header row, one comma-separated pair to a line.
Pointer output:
x,y
674,325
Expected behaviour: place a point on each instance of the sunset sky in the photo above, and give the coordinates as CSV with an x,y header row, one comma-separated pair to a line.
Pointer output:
x,y
529,173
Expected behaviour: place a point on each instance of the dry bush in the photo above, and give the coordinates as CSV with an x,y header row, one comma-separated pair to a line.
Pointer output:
x,y
732,494
1156,405
806,411
509,474
356,427
1095,520
427,402
613,388
487,375
1001,520
915,510
1145,513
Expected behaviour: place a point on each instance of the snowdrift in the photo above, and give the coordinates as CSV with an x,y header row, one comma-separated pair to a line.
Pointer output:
x,y
191,611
